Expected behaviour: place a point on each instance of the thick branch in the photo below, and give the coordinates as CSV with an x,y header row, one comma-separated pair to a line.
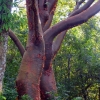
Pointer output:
x,y
47,25
17,42
46,14
71,22
87,5
33,21
48,44
78,4
57,42
43,11
52,3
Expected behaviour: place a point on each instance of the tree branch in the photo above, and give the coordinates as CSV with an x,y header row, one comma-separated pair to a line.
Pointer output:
x,y
43,11
47,25
78,3
46,13
17,42
87,5
35,30
71,22
48,44
57,42
52,3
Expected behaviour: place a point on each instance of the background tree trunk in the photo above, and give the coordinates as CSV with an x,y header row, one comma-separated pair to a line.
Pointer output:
x,y
3,50
4,35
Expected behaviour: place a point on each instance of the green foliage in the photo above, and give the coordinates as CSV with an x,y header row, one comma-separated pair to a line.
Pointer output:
x,y
13,64
19,21
2,97
12,19
18,24
64,7
26,97
77,64
5,15
78,98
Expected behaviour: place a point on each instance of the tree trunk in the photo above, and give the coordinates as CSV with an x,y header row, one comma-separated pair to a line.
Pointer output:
x,y
28,80
48,84
4,11
3,50
30,71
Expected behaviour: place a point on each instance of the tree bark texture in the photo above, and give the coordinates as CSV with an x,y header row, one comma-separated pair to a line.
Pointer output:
x,y
36,77
3,38
3,50
28,80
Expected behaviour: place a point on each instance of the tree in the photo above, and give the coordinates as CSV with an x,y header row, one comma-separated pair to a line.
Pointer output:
x,y
5,9
36,76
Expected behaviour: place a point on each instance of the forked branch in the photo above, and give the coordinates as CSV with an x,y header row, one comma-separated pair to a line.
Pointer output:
x,y
73,21
57,42
33,21
52,3
87,5
78,3
48,23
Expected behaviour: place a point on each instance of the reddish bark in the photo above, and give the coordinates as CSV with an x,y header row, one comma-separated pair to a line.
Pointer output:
x,y
48,84
36,72
30,71
28,79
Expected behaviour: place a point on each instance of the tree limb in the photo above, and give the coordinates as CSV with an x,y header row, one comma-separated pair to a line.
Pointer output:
x,y
87,5
47,25
52,3
78,3
33,17
57,42
46,14
17,42
71,22
43,11
48,45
